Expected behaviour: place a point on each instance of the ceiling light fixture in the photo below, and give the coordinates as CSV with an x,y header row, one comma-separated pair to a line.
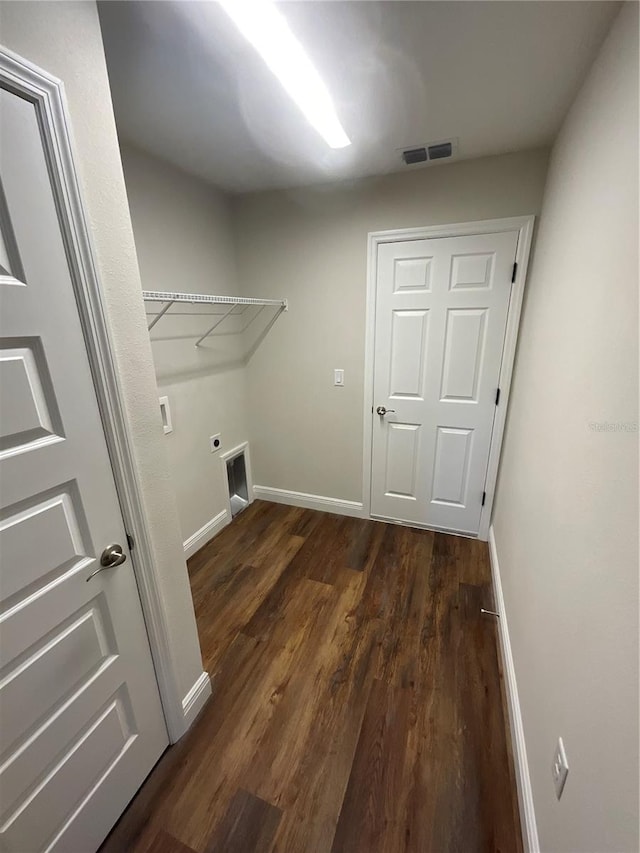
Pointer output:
x,y
268,31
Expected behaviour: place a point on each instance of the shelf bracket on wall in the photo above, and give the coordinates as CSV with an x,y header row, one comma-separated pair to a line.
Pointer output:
x,y
216,324
169,299
159,315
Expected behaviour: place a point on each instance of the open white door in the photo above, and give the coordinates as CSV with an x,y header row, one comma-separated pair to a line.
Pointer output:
x,y
441,314
81,723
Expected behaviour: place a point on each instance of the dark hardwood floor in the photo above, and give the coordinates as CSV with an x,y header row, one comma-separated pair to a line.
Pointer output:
x,y
357,699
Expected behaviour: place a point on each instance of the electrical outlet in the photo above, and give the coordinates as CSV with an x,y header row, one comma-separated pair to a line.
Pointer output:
x,y
215,442
338,376
560,768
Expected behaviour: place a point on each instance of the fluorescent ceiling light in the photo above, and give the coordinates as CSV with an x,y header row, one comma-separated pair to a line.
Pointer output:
x,y
268,31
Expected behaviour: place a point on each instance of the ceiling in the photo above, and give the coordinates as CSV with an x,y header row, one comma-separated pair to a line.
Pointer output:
x,y
496,76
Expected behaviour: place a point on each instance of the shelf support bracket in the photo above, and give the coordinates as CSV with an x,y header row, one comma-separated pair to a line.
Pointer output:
x,y
216,324
160,313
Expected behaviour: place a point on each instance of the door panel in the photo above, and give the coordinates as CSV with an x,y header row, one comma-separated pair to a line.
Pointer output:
x,y
28,407
402,454
92,753
464,344
82,723
50,519
471,271
441,313
409,333
412,274
451,466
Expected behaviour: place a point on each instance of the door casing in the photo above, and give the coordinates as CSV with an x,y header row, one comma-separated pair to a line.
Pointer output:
x,y
524,225
47,94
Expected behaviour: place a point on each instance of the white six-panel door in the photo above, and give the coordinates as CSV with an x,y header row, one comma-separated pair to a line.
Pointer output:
x,y
81,723
441,314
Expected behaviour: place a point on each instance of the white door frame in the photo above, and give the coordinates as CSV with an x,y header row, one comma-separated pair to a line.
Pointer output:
x,y
47,94
524,226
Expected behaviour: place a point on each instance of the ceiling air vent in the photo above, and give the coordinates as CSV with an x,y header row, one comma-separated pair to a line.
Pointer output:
x,y
431,151
442,149
414,155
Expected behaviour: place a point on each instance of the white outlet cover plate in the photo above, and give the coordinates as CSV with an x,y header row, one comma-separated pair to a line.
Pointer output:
x,y
165,412
212,442
560,768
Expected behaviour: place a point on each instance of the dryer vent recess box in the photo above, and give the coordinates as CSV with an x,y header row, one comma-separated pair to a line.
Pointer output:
x,y
237,477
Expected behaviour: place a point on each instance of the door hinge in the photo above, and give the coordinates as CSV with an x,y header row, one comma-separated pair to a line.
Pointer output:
x,y
484,497
515,269
131,542
497,396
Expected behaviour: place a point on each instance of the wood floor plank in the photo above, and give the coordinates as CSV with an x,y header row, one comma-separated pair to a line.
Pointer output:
x,y
248,524
357,699
306,523
369,818
228,606
149,810
408,577
483,727
364,543
286,738
315,791
305,563
324,554
165,843
439,647
231,749
248,825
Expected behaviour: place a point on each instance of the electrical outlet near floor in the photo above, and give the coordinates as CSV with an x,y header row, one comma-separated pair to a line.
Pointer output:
x,y
560,768
215,442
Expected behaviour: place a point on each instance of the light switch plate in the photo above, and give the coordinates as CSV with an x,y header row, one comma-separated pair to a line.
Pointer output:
x,y
560,768
338,376
215,442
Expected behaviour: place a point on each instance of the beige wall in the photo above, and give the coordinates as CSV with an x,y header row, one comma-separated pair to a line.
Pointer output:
x,y
311,246
566,517
65,39
183,240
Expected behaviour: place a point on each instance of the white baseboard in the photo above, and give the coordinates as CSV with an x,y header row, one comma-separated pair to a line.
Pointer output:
x,y
523,780
301,499
207,532
195,699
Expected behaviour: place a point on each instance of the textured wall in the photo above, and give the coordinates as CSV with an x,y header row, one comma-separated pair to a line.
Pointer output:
x,y
566,515
184,242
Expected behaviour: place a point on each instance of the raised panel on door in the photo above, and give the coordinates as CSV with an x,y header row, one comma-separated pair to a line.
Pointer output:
x,y
81,718
471,270
403,442
92,753
409,333
51,518
29,411
42,753
56,665
451,466
412,274
465,336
